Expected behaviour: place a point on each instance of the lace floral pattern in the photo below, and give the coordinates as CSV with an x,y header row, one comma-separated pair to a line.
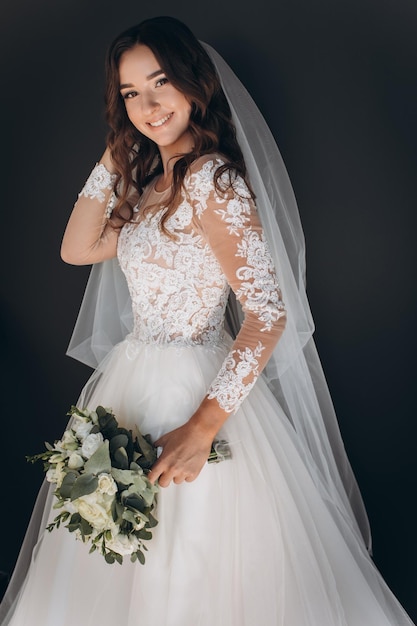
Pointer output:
x,y
258,286
99,180
229,387
178,290
180,285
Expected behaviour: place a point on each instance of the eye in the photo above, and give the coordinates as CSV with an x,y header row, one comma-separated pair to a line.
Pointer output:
x,y
161,81
129,94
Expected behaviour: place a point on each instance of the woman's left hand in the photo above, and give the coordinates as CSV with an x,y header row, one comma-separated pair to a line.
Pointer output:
x,y
185,450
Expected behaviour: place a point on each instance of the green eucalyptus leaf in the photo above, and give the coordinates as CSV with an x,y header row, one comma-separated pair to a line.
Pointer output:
x,y
99,461
144,534
134,501
152,521
85,527
121,458
107,422
141,557
117,511
118,441
73,527
129,516
85,484
67,484
123,476
109,557
147,450
74,523
98,538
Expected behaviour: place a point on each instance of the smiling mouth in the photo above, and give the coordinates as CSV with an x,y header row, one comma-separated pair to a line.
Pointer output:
x,y
161,121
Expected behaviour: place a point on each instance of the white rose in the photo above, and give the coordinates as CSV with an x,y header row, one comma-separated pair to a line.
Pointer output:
x,y
81,426
122,544
90,444
75,460
106,484
95,508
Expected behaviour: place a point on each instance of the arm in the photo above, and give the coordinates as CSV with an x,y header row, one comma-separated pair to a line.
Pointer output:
x,y
88,237
230,225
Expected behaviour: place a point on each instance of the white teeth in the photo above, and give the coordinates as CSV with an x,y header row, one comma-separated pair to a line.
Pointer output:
x,y
161,121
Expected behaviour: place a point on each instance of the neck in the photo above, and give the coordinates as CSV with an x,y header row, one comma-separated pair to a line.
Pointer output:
x,y
171,154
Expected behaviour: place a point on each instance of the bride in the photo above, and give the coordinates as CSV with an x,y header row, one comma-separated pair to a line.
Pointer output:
x,y
197,323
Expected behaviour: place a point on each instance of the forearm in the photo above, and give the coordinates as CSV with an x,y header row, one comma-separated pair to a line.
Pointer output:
x,y
209,418
88,237
245,362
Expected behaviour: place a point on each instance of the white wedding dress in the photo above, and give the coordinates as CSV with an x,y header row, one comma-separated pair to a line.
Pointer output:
x,y
251,541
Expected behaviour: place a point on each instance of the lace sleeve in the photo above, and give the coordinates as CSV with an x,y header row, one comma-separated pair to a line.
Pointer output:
x,y
230,225
100,181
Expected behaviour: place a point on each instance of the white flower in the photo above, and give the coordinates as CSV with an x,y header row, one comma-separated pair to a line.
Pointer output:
x,y
56,474
75,460
106,484
81,426
90,444
123,544
68,441
68,506
95,508
93,416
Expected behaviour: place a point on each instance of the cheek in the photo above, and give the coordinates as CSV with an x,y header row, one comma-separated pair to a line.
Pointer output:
x,y
186,112
188,107
181,104
133,115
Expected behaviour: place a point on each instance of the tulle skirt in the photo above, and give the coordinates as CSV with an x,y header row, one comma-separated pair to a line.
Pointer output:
x,y
250,542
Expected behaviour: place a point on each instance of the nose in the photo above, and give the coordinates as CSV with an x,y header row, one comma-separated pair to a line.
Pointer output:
x,y
149,103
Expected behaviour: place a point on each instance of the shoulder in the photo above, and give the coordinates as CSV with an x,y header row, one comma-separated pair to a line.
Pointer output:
x,y
201,178
215,197
204,167
199,183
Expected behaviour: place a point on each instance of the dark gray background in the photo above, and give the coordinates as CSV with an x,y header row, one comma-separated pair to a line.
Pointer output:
x,y
336,81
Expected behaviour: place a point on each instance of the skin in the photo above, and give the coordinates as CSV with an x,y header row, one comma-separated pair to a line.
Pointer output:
x,y
149,98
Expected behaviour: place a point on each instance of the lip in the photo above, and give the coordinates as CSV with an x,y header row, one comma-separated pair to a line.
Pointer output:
x,y
159,123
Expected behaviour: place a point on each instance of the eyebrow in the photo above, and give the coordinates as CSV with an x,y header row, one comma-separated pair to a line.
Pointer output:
x,y
156,73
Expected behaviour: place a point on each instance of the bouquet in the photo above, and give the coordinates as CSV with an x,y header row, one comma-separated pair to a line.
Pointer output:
x,y
102,490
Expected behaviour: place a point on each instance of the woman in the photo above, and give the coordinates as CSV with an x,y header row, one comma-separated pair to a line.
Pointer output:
x,y
278,534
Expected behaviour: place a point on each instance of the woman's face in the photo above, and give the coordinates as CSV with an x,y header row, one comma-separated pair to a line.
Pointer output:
x,y
154,106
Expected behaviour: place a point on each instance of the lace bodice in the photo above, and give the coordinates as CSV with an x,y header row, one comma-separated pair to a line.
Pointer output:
x,y
180,286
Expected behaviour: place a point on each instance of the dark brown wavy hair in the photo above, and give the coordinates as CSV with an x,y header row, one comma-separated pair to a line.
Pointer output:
x,y
190,70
